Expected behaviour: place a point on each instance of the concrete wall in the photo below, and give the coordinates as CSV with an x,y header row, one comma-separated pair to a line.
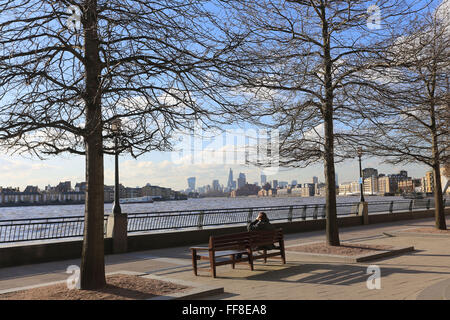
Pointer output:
x,y
16,255
28,253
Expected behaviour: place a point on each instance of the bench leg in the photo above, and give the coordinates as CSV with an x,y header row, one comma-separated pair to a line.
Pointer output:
x,y
283,253
250,258
212,262
194,261
265,258
233,261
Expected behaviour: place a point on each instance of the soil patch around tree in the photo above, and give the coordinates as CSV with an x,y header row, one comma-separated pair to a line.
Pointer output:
x,y
345,249
119,287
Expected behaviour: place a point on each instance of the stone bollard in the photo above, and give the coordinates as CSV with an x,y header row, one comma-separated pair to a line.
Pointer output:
x,y
116,229
363,210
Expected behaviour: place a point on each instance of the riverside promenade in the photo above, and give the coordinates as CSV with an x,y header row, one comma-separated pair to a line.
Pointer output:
x,y
422,274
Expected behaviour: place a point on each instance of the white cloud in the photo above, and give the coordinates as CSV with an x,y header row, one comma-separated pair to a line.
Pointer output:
x,y
17,171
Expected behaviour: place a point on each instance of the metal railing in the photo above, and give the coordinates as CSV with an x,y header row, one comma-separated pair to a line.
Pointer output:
x,y
170,220
72,227
42,228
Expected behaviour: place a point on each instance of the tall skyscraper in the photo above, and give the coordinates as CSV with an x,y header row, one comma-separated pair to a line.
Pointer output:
x,y
230,180
216,185
241,180
263,179
191,183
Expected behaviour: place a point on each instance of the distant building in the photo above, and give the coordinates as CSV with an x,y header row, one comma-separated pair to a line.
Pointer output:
x,y
230,181
274,184
294,183
216,185
284,191
201,190
308,190
263,179
241,180
64,186
401,176
315,180
344,188
155,191
409,185
305,190
247,190
428,182
108,193
387,185
282,184
348,188
51,195
31,189
319,189
369,172
81,187
263,193
191,183
133,192
371,185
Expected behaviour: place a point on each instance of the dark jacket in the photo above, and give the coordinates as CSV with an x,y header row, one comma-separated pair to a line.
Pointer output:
x,y
259,225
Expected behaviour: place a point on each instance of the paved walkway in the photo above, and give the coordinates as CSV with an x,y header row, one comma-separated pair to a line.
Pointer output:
x,y
422,274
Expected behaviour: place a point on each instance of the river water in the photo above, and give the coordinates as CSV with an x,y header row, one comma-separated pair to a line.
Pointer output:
x,y
190,204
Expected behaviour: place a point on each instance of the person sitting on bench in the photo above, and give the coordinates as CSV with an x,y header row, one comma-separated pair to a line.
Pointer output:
x,y
262,222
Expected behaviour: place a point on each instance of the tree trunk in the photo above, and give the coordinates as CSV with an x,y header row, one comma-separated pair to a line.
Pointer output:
x,y
332,231
438,197
92,271
439,200
330,181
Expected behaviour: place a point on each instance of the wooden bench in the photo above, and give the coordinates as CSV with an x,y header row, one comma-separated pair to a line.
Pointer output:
x,y
239,247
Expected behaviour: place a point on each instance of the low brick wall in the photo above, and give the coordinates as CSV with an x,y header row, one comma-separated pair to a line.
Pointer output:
x,y
30,253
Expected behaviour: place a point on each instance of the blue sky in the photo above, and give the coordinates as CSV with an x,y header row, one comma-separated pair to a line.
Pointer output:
x,y
158,168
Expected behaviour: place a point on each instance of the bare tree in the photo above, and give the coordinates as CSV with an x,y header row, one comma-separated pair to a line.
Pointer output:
x,y
406,110
295,66
70,68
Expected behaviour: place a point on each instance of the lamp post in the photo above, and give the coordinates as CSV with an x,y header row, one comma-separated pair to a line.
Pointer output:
x,y
361,179
116,126
117,221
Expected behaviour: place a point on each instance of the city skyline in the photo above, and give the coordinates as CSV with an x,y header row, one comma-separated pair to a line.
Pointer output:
x,y
21,172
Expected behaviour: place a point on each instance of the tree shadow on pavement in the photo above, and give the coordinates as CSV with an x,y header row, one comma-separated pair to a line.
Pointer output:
x,y
329,274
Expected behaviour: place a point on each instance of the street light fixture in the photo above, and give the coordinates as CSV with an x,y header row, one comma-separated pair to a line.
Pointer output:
x,y
116,127
361,179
